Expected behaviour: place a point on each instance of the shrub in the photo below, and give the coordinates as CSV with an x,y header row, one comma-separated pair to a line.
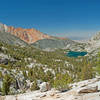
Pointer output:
x,y
87,71
62,81
6,84
34,86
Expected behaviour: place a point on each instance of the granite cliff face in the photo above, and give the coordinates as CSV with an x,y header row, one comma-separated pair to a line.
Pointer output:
x,y
93,45
3,27
8,37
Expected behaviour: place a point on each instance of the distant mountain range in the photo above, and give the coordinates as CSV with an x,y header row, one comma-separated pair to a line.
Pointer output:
x,y
34,37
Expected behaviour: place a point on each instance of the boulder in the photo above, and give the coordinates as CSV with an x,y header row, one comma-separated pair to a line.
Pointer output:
x,y
45,86
13,90
99,86
39,82
4,61
88,90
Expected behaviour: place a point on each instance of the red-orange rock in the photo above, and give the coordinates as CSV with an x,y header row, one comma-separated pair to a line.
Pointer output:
x,y
28,35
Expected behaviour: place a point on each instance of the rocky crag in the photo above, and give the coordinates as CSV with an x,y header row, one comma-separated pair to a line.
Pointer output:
x,y
27,35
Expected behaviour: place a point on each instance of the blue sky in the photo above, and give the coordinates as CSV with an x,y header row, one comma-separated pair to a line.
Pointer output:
x,y
65,18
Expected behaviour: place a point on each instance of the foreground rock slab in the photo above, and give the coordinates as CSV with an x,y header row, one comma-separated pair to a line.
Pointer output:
x,y
85,90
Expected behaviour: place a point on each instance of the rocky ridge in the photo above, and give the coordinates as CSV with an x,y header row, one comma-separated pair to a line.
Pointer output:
x,y
36,38
27,35
93,44
44,41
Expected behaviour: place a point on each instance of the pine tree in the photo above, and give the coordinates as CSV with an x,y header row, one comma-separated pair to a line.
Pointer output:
x,y
6,84
62,81
97,69
87,71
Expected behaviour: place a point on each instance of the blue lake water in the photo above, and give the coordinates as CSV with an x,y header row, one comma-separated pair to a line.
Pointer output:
x,y
76,53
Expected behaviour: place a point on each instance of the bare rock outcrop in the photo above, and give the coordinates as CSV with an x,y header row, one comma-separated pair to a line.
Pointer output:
x,y
88,90
45,86
28,35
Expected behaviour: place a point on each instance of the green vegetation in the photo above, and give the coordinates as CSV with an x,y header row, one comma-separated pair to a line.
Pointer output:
x,y
97,69
34,86
53,67
7,80
87,71
62,81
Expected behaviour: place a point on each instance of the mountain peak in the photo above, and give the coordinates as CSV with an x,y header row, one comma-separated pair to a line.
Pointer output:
x,y
3,27
27,35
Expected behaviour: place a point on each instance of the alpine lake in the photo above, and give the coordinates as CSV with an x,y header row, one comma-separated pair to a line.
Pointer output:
x,y
76,53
